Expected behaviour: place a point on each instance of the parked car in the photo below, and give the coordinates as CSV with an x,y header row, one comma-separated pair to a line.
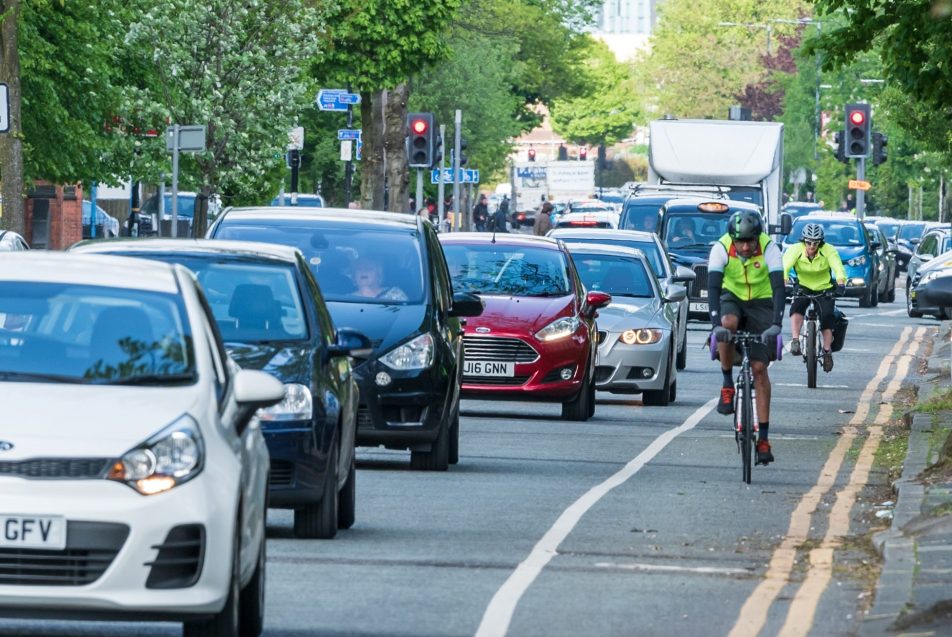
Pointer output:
x,y
933,243
937,267
185,206
885,262
637,330
536,337
860,260
906,241
106,225
588,214
272,317
383,274
668,273
10,241
133,444
304,199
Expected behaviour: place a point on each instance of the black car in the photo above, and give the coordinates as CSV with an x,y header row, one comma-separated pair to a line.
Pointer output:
x,y
385,275
885,261
272,317
907,238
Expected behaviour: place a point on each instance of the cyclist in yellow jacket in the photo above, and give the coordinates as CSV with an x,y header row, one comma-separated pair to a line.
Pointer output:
x,y
745,291
817,264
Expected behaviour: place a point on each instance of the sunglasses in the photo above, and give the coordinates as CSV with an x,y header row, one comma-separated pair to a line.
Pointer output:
x,y
812,243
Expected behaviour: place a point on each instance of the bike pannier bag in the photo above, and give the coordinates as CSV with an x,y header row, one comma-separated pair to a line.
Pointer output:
x,y
840,323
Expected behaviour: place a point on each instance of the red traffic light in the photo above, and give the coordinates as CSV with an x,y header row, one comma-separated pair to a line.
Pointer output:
x,y
583,153
531,154
418,126
857,117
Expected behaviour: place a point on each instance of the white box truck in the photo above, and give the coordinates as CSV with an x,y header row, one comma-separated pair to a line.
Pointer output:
x,y
745,158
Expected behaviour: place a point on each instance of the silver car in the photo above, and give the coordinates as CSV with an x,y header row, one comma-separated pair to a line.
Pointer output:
x,y
668,274
637,330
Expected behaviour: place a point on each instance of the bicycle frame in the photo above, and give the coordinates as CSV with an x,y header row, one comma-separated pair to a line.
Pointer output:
x,y
746,423
813,339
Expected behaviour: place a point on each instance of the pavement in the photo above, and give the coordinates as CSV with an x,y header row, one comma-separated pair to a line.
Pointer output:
x,y
914,592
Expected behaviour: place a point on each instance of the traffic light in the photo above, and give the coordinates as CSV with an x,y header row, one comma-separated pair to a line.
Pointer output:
x,y
293,158
858,126
880,141
463,159
582,153
563,152
840,147
421,146
532,154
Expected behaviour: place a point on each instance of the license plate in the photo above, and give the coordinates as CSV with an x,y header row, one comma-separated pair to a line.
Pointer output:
x,y
697,307
702,294
489,368
33,531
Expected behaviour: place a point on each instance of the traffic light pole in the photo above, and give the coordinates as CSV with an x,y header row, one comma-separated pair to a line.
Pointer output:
x,y
439,187
458,122
419,190
349,165
861,194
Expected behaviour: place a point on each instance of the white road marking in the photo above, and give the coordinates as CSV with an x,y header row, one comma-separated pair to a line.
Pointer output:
x,y
804,385
889,313
876,325
670,568
498,615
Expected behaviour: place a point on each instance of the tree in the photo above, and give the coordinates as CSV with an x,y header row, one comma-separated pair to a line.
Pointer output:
x,y
235,67
11,148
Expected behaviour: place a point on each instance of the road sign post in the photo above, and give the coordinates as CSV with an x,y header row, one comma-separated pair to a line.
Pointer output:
x,y
181,139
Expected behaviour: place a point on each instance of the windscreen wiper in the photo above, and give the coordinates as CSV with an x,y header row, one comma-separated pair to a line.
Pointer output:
x,y
41,378
149,379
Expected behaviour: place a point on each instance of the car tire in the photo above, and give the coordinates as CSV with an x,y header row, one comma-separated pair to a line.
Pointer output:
x,y
454,439
318,520
347,498
890,295
867,299
874,301
683,354
578,407
251,598
591,400
438,457
227,621
661,397
909,311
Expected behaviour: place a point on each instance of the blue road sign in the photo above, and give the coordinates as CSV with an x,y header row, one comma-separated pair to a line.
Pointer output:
x,y
348,133
336,99
465,176
349,98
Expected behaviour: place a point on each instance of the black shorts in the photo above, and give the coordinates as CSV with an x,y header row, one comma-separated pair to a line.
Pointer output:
x,y
754,316
825,304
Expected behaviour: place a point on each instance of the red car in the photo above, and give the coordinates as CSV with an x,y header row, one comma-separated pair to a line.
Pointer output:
x,y
536,337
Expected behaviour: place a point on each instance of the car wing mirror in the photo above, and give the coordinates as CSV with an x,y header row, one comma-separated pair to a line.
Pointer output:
x,y
594,301
466,304
254,389
683,274
350,342
676,293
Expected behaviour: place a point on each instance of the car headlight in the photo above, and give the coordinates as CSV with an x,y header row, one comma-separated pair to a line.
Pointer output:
x,y
855,261
417,354
641,336
297,405
559,328
171,457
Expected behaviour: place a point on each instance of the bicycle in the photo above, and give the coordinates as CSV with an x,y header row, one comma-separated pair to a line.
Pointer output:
x,y
812,342
746,425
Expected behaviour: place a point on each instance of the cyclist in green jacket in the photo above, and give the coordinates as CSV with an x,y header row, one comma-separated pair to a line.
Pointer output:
x,y
817,264
745,291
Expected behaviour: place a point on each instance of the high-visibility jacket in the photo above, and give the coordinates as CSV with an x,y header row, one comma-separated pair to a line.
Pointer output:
x,y
747,279
816,274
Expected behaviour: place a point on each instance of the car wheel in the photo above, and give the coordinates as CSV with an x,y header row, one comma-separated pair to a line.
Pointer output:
x,y
874,301
438,457
661,397
318,520
867,299
226,622
454,439
909,311
683,354
347,499
251,599
591,400
577,409
890,294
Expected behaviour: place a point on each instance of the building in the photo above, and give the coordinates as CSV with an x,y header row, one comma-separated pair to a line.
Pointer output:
x,y
625,25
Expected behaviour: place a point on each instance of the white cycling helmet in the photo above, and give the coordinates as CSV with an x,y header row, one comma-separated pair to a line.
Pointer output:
x,y
812,232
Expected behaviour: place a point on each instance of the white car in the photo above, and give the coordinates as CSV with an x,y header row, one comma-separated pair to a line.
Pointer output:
x,y
588,214
132,466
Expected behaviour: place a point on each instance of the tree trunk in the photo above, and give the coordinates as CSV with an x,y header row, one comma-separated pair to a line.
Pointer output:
x,y
372,157
395,146
11,145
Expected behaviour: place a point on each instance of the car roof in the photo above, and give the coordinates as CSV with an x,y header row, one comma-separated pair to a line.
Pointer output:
x,y
826,214
376,218
271,251
601,248
88,269
506,238
597,234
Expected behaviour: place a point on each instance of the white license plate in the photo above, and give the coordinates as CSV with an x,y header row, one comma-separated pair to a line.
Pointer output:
x,y
698,307
489,368
33,531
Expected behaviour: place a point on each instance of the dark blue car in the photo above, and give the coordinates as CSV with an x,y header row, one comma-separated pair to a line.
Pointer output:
x,y
272,317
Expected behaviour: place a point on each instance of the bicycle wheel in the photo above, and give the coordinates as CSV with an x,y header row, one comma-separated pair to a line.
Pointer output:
x,y
747,429
812,356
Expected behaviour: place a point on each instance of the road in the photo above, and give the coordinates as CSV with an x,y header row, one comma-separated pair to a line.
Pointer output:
x,y
634,523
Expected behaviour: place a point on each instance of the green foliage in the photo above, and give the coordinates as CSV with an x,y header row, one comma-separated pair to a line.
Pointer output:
x,y
605,112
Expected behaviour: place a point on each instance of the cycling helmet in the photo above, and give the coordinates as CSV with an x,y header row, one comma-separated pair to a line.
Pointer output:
x,y
812,232
745,224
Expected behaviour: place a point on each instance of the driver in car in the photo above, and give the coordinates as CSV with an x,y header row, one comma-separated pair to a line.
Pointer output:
x,y
368,277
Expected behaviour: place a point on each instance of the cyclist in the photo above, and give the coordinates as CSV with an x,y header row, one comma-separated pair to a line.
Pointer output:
x,y
817,264
745,291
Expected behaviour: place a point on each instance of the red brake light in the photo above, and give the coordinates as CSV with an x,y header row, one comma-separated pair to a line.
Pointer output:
x,y
857,117
418,126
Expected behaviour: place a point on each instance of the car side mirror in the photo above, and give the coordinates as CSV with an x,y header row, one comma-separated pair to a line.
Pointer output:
x,y
594,301
925,256
786,224
466,304
676,293
350,342
254,389
683,274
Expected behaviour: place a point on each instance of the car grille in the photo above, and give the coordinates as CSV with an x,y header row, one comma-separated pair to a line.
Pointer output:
x,y
700,281
364,419
498,349
90,549
179,561
282,473
508,381
57,468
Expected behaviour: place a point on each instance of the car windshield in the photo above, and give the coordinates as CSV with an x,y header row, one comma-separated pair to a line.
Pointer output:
x,y
616,275
57,332
506,269
252,301
650,248
889,229
305,201
910,231
835,232
352,263
184,203
750,194
693,229
641,217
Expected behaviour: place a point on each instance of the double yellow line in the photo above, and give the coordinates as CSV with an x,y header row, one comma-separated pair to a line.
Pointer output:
x,y
753,614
